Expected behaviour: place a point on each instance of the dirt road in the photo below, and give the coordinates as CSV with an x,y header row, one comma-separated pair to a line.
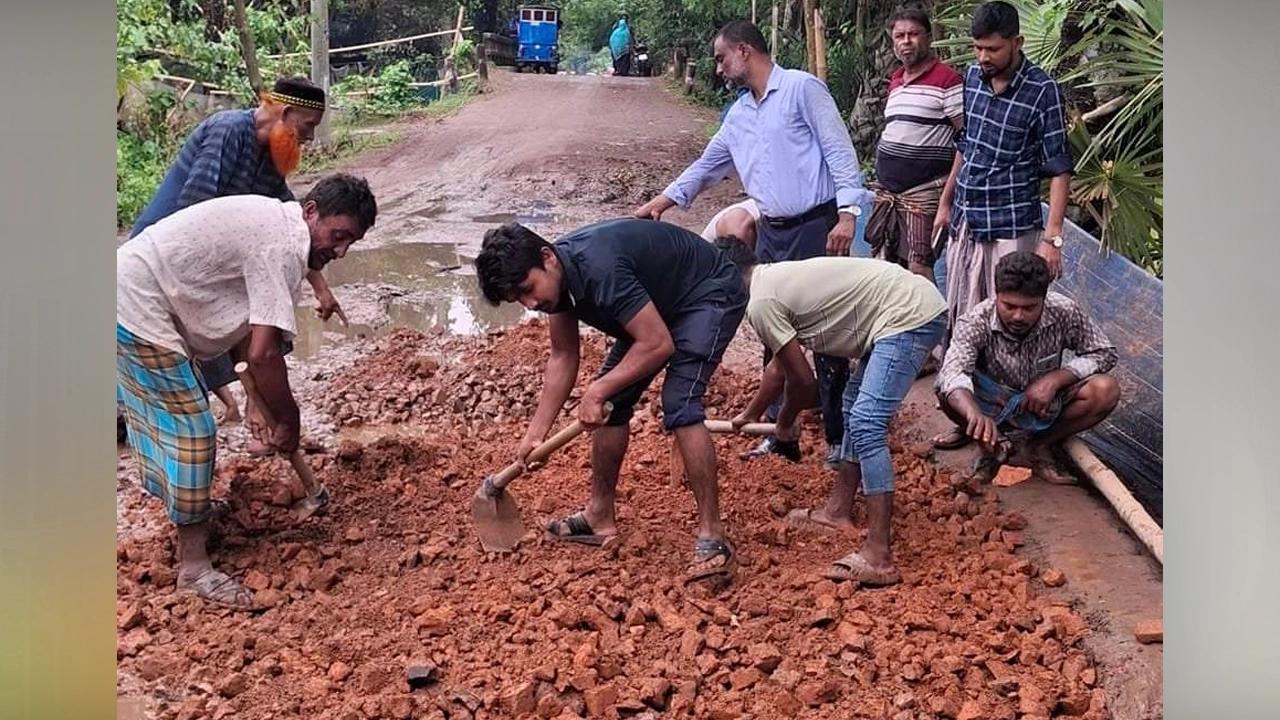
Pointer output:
x,y
429,387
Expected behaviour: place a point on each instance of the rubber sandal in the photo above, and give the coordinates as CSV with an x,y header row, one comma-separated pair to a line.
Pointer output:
x,y
705,549
953,440
579,530
802,519
855,567
218,588
773,446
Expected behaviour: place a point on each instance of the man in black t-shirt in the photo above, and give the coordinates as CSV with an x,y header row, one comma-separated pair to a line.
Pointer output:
x,y
673,302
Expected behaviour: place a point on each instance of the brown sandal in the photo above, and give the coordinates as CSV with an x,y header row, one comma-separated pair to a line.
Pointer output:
x,y
218,588
855,567
707,549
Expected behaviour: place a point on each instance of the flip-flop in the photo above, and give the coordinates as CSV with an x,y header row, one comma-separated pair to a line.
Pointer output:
x,y
218,588
219,510
789,449
579,531
802,519
705,549
855,567
953,440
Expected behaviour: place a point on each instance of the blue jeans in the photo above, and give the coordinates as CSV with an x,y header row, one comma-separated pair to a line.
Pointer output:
x,y
872,397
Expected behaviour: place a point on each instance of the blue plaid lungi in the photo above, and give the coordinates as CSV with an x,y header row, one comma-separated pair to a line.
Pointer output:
x,y
172,431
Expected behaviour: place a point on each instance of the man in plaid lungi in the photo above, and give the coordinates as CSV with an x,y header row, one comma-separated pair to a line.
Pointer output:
x,y
1015,135
219,276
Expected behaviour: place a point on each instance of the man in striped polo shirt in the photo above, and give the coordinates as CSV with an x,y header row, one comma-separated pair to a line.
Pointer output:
x,y
922,116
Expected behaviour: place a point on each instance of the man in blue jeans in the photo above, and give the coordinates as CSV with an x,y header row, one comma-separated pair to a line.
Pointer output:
x,y
879,313
673,303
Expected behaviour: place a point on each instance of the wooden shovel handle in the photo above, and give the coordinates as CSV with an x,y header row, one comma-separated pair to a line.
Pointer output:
x,y
724,426
297,460
543,451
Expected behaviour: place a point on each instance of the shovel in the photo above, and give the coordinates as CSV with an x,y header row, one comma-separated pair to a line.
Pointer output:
x,y
317,495
496,515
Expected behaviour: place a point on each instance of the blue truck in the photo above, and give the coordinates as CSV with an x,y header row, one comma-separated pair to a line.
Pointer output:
x,y
538,38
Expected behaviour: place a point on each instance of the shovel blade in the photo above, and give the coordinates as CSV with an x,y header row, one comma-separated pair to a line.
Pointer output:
x,y
497,522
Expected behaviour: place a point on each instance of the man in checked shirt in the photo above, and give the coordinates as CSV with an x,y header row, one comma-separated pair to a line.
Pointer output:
x,y
1004,375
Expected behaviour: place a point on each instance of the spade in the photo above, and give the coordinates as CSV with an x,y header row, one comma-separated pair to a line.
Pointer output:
x,y
496,514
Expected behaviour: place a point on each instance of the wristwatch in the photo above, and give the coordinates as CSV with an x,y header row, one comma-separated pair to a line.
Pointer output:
x,y
854,210
1055,241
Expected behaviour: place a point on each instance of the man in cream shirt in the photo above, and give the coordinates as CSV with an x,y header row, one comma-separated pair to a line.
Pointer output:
x,y
876,312
217,276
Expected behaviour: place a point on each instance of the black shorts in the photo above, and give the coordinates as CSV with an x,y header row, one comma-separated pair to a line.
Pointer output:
x,y
700,334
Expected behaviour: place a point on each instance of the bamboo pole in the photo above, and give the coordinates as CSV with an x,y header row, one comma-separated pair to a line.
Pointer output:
x,y
380,43
860,22
811,59
819,45
1125,505
457,28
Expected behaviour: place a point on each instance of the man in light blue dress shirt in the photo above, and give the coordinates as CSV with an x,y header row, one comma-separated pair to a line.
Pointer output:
x,y
792,151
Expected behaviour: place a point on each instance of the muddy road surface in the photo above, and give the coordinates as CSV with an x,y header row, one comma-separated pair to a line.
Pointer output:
x,y
386,607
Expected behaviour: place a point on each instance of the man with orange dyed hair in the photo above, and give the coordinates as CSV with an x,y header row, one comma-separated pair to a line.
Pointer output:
x,y
244,152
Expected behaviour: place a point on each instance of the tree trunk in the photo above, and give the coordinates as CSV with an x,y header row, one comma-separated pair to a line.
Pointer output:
x,y
1077,98
860,21
247,49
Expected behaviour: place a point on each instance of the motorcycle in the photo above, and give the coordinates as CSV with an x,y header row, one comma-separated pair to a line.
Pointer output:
x,y
643,66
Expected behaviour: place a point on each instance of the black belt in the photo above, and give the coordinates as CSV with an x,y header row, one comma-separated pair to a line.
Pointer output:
x,y
786,223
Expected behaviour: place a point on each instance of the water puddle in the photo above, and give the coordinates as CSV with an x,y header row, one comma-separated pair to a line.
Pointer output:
x,y
539,212
420,286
